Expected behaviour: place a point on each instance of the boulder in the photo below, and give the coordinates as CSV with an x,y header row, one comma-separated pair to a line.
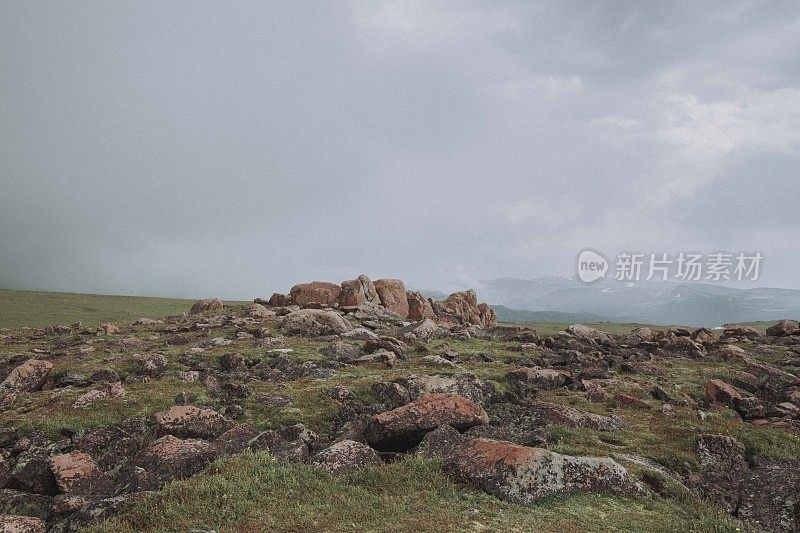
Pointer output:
x,y
32,472
76,473
521,474
319,293
783,328
346,456
564,415
108,328
419,307
27,377
723,468
172,458
525,380
386,343
463,308
315,323
282,447
259,312
747,405
234,441
209,304
465,384
425,330
279,300
342,351
582,332
357,292
190,421
392,295
21,524
402,428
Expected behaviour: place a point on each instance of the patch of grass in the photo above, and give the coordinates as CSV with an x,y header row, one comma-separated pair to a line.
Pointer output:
x,y
254,493
35,309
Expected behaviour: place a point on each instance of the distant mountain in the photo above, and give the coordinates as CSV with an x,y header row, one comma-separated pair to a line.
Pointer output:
x,y
653,302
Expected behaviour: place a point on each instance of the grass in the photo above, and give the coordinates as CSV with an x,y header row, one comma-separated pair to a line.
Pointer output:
x,y
35,309
252,492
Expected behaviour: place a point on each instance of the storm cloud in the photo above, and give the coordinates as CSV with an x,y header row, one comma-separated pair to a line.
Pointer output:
x,y
233,149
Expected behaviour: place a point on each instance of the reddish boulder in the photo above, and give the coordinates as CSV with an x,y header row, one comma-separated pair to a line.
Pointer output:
x,y
259,312
392,294
747,405
740,331
27,377
419,307
632,401
521,474
317,292
402,428
358,291
77,473
210,304
279,300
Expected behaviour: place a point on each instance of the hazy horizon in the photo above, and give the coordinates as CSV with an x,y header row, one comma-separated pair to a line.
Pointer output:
x,y
201,149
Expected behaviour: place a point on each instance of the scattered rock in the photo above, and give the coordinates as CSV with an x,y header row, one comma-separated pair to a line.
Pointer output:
x,y
346,456
171,458
523,475
21,524
564,415
190,421
210,304
783,328
259,312
722,470
747,405
27,377
402,428
315,323
76,473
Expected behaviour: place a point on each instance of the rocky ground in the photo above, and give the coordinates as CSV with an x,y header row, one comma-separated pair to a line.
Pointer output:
x,y
366,407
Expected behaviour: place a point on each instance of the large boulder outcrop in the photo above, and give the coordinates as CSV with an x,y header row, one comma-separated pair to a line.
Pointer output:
x,y
315,323
463,308
521,474
357,292
392,295
419,307
319,293
27,377
401,429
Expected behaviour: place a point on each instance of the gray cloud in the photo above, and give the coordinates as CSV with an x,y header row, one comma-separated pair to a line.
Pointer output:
x,y
201,148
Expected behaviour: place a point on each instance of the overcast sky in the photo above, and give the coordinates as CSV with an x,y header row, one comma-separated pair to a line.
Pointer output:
x,y
233,149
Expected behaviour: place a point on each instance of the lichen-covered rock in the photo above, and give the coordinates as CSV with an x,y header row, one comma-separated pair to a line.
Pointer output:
x,y
27,377
209,304
191,421
526,380
770,498
464,384
386,343
315,323
32,471
723,467
521,474
21,524
591,334
346,456
564,415
424,330
76,473
402,428
171,458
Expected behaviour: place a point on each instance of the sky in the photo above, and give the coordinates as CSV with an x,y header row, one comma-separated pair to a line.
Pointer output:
x,y
233,149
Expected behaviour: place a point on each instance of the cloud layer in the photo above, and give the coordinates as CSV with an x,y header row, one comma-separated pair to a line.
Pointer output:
x,y
234,149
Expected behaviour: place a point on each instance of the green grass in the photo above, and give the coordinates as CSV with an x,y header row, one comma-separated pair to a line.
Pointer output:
x,y
35,309
252,492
